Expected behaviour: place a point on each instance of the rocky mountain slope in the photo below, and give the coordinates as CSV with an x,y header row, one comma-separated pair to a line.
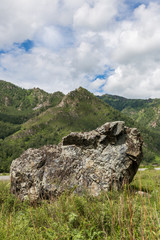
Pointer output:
x,y
17,105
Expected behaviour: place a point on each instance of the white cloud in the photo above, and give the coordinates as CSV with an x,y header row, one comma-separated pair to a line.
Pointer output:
x,y
88,59
20,20
75,41
136,55
128,82
139,37
50,37
95,14
41,68
96,84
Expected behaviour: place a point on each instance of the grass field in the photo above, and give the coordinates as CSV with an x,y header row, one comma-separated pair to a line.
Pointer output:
x,y
130,214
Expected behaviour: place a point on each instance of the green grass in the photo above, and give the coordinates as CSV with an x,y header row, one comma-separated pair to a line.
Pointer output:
x,y
113,215
157,159
4,174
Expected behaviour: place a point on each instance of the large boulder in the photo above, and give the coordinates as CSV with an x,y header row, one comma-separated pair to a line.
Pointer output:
x,y
102,159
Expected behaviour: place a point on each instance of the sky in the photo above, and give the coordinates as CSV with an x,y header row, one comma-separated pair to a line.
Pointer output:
x,y
105,46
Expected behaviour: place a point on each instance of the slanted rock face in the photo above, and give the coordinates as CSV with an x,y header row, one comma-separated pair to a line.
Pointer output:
x,y
97,160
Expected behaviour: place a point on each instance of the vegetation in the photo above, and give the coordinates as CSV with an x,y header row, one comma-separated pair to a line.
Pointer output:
x,y
128,214
145,112
13,98
121,103
33,118
17,105
79,111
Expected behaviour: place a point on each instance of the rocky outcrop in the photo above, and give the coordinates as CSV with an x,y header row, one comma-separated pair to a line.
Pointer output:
x,y
97,160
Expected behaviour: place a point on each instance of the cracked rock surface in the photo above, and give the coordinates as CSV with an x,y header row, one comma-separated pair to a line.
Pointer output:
x,y
105,158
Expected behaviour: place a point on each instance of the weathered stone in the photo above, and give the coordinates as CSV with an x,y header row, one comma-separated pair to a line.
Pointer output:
x,y
97,160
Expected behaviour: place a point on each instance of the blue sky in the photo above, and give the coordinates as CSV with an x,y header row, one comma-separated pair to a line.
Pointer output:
x,y
27,45
106,46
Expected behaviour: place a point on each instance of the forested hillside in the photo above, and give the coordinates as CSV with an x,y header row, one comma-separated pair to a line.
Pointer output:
x,y
33,118
146,114
80,110
17,105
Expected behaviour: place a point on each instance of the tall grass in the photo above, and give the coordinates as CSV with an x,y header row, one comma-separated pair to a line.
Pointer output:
x,y
130,214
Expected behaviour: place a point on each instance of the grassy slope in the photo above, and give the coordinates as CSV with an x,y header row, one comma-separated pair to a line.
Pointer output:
x,y
79,111
112,215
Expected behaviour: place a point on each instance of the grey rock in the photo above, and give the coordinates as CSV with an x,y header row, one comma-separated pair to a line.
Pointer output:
x,y
102,159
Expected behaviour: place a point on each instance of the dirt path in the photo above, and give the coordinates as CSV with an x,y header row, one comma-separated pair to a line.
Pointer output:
x,y
143,169
4,178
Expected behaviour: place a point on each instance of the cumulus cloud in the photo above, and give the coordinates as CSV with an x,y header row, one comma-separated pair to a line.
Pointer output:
x,y
96,84
95,15
76,41
140,36
20,20
128,82
136,55
42,68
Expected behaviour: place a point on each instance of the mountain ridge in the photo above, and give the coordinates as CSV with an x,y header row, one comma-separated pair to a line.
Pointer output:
x,y
146,111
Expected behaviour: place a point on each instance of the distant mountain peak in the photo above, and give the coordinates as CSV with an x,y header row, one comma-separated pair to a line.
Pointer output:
x,y
75,96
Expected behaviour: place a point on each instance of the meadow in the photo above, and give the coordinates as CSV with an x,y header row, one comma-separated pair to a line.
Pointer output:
x,y
133,213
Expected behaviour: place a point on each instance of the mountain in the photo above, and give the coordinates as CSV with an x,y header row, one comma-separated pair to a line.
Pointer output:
x,y
79,110
145,113
17,101
121,103
17,105
33,118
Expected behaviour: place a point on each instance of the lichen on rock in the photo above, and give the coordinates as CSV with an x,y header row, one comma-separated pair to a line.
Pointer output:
x,y
106,157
